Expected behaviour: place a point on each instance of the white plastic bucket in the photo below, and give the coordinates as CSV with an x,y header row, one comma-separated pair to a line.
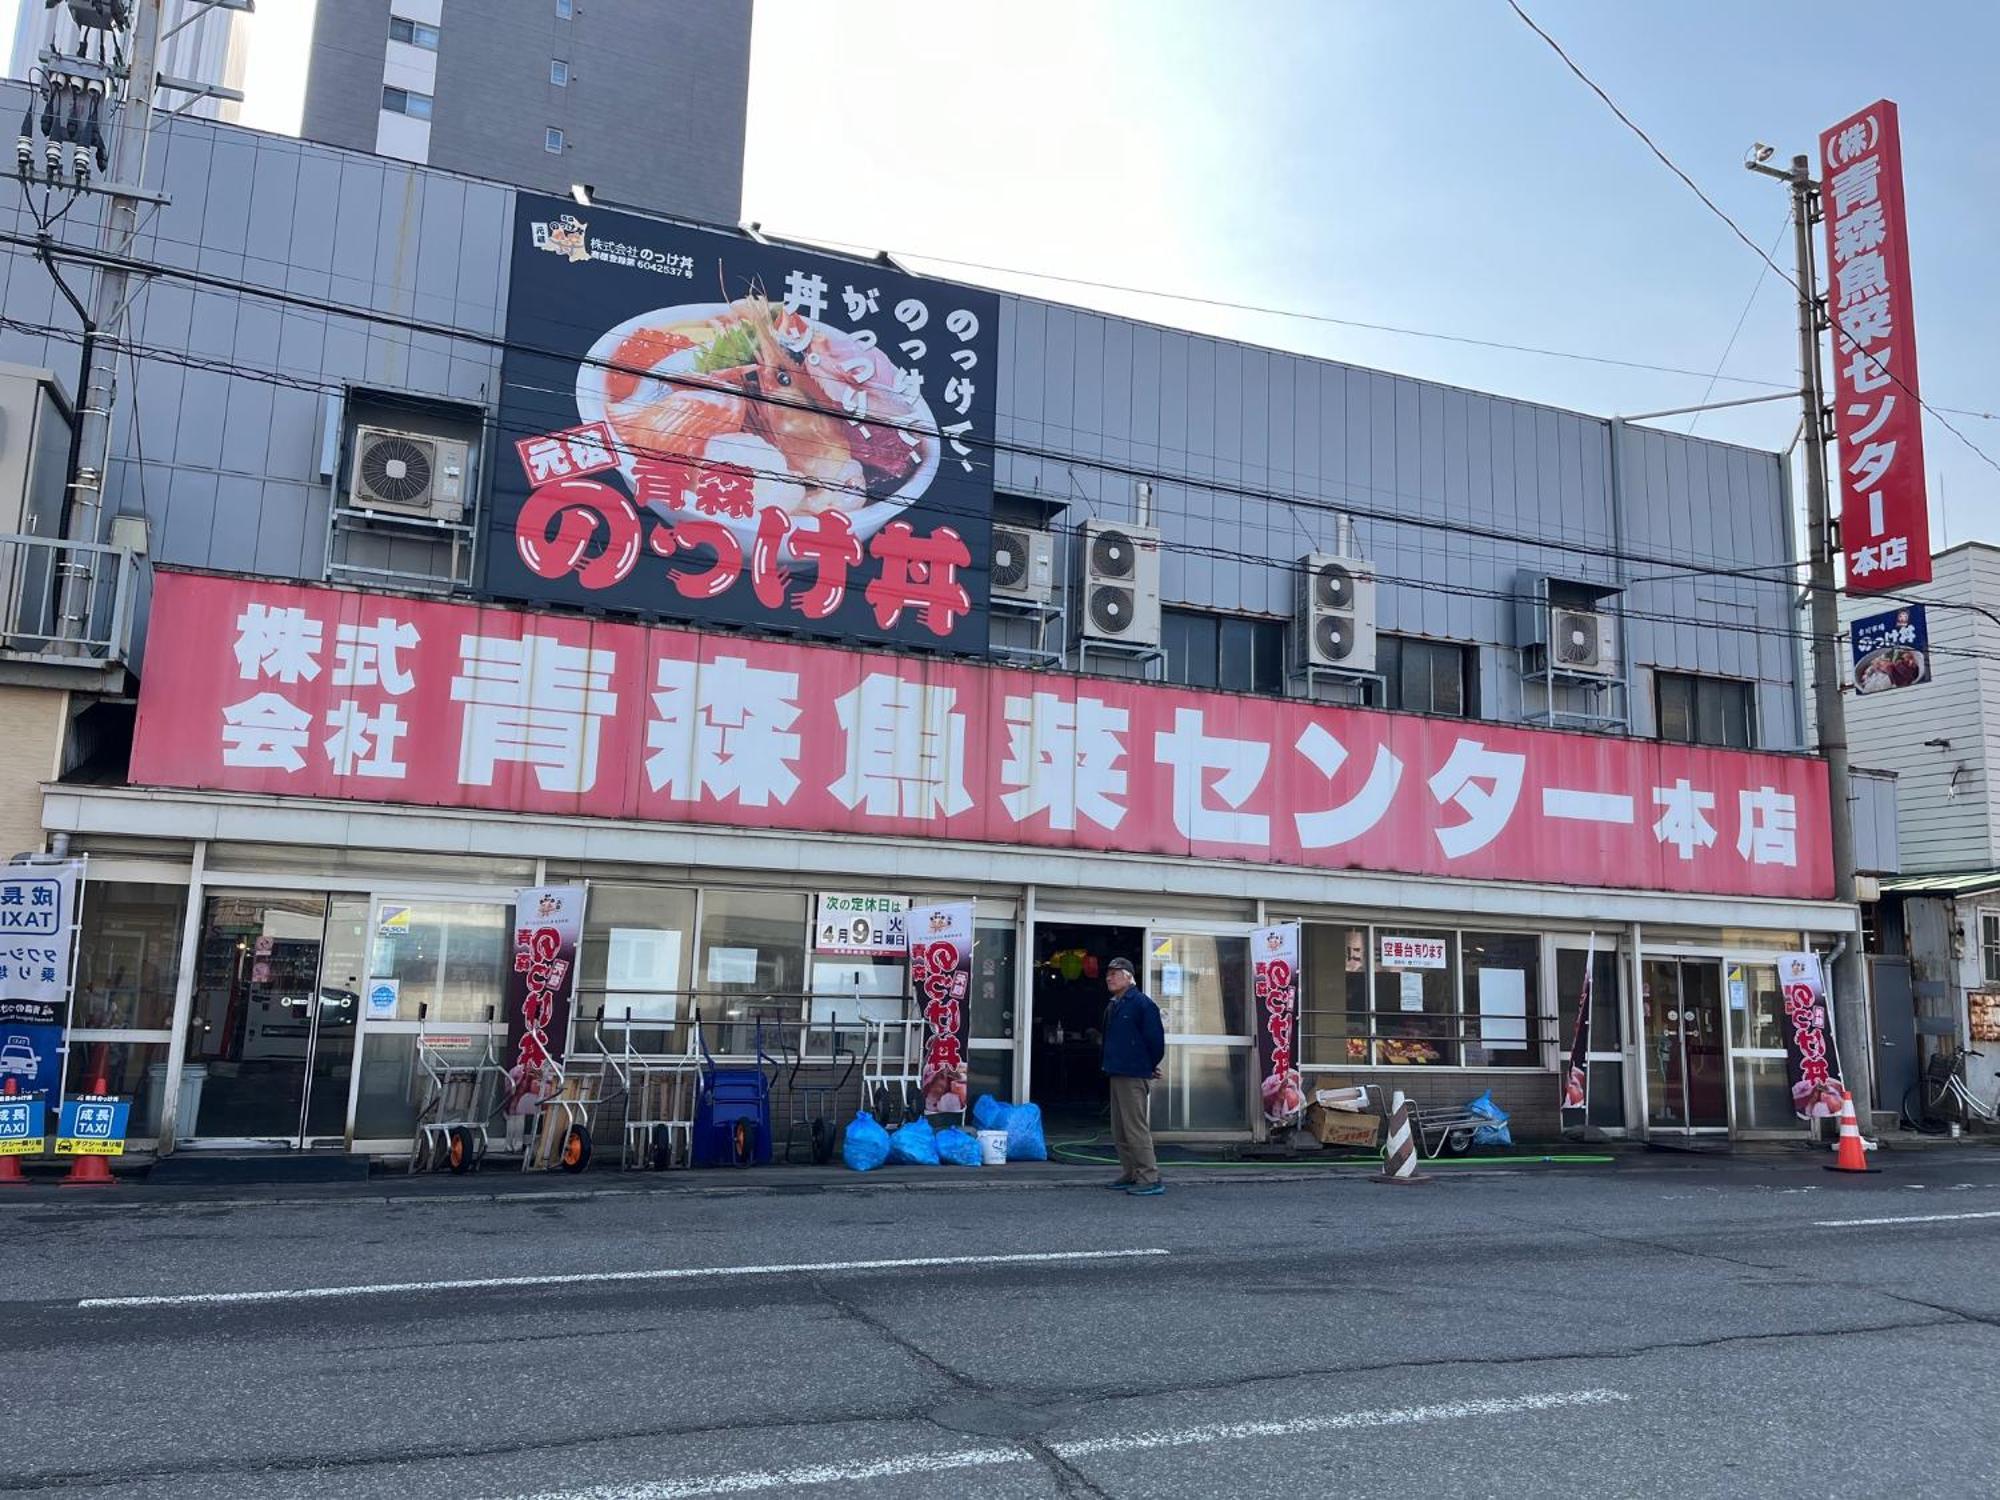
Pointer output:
x,y
993,1148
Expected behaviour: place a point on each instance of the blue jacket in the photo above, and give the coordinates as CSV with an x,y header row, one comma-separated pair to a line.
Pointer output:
x,y
1135,1043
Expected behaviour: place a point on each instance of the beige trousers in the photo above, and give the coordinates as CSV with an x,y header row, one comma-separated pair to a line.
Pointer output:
x,y
1132,1131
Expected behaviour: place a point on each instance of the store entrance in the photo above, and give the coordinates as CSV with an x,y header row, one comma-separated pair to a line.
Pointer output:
x,y
277,1006
1687,1085
1067,1078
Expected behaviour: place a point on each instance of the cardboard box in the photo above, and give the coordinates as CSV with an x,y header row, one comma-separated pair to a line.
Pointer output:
x,y
1339,1127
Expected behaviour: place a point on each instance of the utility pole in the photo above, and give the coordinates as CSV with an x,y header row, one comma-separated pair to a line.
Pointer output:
x,y
1851,1032
106,322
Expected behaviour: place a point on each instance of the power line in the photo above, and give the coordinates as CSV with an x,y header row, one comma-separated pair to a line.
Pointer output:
x,y
1737,229
1343,505
1741,318
492,425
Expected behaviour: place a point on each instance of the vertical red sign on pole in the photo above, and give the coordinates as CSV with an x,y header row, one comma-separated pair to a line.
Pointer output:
x,y
1885,527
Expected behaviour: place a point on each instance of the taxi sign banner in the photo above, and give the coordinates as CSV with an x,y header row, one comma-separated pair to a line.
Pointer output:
x,y
93,1125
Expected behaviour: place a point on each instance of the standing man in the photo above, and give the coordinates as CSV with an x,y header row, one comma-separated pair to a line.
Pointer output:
x,y
1135,1044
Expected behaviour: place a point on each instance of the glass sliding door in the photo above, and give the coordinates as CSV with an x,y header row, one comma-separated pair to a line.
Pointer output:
x,y
1687,1083
1606,1063
276,1005
1201,982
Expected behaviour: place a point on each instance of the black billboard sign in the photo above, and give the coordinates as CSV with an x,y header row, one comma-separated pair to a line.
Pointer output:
x,y
706,427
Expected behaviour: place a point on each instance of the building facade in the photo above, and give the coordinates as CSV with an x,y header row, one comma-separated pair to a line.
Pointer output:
x,y
643,102
1152,640
1936,934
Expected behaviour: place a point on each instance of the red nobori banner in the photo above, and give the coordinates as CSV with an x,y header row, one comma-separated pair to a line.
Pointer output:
x,y
1885,527
319,692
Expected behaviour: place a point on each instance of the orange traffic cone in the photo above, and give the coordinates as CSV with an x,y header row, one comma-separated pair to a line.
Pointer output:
x,y
1853,1155
10,1166
91,1171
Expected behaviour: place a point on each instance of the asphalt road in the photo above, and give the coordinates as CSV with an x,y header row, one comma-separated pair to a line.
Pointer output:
x,y
1703,1328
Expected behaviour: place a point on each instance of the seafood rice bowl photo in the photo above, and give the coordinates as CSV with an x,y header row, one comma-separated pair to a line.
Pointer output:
x,y
814,418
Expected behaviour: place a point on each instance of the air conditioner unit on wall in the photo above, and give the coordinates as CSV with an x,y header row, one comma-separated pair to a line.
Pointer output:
x,y
1120,599
1582,642
408,474
1024,563
1333,619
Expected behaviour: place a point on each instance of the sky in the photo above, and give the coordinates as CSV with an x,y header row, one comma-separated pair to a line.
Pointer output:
x,y
1428,164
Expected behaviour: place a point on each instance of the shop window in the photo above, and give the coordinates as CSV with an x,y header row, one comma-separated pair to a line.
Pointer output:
x,y
449,955
128,955
1333,1004
1705,710
636,941
991,1013
413,33
752,953
1198,983
1989,945
1503,988
406,102
1416,988
135,1070
1427,677
1233,652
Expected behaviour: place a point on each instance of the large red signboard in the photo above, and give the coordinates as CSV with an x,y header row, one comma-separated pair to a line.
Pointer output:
x,y
1885,527
318,692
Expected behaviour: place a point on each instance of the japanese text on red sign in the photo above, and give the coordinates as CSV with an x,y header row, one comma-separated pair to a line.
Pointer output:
x,y
1884,518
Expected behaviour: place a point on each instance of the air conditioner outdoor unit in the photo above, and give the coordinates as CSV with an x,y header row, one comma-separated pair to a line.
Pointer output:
x,y
1121,584
1024,564
408,474
1333,622
1582,642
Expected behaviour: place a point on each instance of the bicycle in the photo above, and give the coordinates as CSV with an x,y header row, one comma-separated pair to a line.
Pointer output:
x,y
1940,1097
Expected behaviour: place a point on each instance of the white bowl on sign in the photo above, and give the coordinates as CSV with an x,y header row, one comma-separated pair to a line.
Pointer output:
x,y
593,404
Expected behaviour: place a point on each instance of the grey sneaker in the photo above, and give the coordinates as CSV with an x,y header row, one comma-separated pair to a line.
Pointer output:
x,y
1120,1183
1146,1190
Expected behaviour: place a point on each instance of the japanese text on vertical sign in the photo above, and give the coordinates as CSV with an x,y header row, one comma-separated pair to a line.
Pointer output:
x,y
1878,418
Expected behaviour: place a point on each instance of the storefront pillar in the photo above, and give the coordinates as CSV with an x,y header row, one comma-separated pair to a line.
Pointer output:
x,y
183,999
1024,1000
1633,1044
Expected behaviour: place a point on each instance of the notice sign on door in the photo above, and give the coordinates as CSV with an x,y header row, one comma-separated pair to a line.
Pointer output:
x,y
1414,952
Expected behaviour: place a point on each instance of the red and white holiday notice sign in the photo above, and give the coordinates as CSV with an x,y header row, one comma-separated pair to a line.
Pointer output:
x,y
1885,527
318,692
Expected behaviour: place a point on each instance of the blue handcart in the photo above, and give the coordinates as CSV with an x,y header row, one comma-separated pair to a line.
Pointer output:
x,y
732,1113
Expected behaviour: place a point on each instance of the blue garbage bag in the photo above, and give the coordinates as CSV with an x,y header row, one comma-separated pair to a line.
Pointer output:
x,y
957,1148
1495,1132
1025,1141
914,1144
989,1113
864,1145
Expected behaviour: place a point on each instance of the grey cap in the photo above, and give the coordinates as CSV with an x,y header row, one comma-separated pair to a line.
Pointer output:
x,y
1121,963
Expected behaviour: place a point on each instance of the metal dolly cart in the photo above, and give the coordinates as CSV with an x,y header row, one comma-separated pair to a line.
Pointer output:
x,y
659,1092
451,1122
562,1131
890,1079
815,1107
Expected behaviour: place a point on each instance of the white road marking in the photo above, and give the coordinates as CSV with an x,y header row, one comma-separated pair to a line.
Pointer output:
x,y
591,1278
1901,1219
751,1481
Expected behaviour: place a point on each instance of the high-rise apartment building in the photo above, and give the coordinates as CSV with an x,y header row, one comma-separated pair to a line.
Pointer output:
x,y
198,44
644,100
